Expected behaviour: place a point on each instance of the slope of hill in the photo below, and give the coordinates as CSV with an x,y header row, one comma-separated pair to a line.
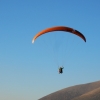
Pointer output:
x,y
92,95
76,92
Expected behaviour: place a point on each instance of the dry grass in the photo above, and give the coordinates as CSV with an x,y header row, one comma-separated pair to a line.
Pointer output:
x,y
92,95
89,91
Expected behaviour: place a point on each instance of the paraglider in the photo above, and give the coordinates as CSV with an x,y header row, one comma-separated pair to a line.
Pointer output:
x,y
61,70
60,28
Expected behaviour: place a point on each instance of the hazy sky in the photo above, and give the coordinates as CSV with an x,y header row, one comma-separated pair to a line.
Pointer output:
x,y
30,71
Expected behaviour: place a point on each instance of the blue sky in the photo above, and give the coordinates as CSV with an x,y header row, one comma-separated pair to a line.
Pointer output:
x,y
29,71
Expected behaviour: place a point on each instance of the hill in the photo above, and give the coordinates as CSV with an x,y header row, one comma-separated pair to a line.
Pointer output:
x,y
92,95
89,91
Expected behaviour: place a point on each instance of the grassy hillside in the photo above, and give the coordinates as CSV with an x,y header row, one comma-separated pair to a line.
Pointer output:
x,y
92,95
78,92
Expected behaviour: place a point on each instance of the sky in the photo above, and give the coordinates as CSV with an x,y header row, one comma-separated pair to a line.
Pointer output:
x,y
30,71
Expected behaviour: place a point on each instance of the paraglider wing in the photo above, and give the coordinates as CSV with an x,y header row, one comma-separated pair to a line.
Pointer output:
x,y
59,28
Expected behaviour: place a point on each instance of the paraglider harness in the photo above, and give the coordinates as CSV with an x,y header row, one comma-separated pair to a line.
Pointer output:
x,y
61,70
